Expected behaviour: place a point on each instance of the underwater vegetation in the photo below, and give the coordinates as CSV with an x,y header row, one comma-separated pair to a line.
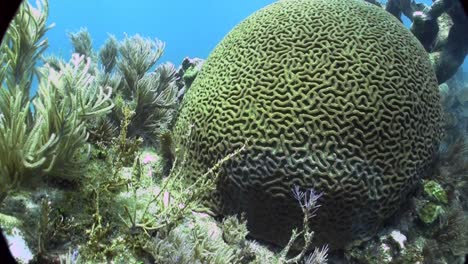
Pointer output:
x,y
315,132
352,116
44,135
104,198
125,66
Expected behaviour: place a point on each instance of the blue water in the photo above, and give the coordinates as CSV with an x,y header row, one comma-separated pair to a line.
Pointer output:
x,y
189,28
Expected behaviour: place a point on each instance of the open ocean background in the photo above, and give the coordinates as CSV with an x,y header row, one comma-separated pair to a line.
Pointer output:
x,y
189,28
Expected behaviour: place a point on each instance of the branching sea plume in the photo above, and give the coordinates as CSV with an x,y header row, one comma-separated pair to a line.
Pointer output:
x,y
23,45
150,91
82,43
49,142
53,61
155,103
151,95
137,56
108,54
43,136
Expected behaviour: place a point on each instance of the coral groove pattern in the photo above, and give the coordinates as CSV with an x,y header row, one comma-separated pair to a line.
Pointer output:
x,y
330,94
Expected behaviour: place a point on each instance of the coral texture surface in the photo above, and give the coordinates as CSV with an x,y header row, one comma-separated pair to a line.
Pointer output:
x,y
326,94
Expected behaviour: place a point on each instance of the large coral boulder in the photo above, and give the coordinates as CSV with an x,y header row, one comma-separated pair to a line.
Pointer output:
x,y
330,94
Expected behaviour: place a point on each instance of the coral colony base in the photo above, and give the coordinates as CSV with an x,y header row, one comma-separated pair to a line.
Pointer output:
x,y
315,132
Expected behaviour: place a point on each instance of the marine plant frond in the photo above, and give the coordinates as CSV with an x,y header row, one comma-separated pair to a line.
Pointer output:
x,y
25,144
79,89
12,129
319,256
451,235
68,100
137,56
156,96
50,141
23,45
55,62
61,119
108,54
167,75
234,230
102,130
4,63
82,43
27,150
308,202
155,91
113,80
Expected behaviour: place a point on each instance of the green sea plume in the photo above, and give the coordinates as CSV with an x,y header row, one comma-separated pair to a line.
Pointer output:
x,y
43,136
151,95
149,90
108,54
82,43
23,45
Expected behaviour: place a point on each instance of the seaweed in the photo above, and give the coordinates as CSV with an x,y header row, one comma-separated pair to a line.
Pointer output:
x,y
44,136
151,95
308,203
128,67
82,43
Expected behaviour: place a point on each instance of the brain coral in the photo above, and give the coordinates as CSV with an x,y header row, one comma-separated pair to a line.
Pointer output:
x,y
330,94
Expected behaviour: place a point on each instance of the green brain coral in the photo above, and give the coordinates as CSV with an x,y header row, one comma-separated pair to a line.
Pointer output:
x,y
330,94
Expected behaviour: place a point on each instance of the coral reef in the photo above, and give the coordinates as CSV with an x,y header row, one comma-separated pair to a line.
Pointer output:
x,y
355,114
435,224
442,28
90,171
